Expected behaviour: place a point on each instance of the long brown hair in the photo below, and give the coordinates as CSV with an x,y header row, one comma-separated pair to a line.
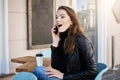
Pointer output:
x,y
74,30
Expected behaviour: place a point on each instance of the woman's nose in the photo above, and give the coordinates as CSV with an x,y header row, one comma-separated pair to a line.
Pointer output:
x,y
58,19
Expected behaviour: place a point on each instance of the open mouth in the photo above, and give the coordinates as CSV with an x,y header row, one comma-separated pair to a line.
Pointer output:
x,y
60,25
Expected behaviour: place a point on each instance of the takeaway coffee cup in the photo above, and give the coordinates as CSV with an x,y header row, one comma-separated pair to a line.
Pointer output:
x,y
39,59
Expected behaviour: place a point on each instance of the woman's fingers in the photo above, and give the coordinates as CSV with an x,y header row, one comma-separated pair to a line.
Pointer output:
x,y
53,73
48,68
49,71
53,29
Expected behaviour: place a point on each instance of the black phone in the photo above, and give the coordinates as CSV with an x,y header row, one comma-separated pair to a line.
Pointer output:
x,y
56,30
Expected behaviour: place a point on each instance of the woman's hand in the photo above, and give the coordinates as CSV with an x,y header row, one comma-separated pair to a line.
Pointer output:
x,y
53,73
55,37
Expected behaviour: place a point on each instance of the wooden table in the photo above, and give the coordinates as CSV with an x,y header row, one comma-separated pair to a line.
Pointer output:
x,y
29,63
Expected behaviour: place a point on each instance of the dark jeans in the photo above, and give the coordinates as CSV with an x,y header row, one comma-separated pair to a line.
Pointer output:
x,y
40,73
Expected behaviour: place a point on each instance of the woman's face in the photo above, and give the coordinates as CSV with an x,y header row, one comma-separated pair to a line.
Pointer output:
x,y
63,20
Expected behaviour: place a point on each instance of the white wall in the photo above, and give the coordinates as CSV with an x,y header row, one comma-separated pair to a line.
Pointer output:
x,y
107,26
60,2
113,28
0,34
4,56
101,25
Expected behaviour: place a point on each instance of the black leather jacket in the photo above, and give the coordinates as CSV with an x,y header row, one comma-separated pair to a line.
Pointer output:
x,y
80,65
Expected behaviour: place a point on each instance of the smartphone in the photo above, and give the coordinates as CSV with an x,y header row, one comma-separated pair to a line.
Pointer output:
x,y
56,30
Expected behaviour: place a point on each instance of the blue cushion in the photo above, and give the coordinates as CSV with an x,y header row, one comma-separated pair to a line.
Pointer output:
x,y
102,68
25,76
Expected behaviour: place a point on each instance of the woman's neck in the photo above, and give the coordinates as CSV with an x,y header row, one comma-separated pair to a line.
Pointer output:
x,y
63,35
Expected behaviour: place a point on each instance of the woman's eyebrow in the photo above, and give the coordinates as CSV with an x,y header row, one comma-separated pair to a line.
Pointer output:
x,y
60,15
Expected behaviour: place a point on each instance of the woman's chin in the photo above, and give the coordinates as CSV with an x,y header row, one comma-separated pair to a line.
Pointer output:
x,y
60,30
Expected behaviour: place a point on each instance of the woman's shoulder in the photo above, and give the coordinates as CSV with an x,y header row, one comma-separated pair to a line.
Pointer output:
x,y
83,40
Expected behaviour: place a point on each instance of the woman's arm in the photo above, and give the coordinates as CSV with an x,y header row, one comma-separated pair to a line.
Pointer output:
x,y
86,51
54,57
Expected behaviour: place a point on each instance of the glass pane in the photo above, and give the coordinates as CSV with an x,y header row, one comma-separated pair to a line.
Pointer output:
x,y
86,10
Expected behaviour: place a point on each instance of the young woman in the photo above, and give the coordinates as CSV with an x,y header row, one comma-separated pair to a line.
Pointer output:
x,y
72,52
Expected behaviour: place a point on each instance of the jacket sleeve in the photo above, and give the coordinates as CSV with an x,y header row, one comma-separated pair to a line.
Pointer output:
x,y
86,52
57,58
54,56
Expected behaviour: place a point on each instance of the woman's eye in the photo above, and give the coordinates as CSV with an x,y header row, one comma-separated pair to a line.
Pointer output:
x,y
62,16
56,17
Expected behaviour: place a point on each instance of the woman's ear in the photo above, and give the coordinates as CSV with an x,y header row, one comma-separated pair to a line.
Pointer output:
x,y
71,23
70,26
